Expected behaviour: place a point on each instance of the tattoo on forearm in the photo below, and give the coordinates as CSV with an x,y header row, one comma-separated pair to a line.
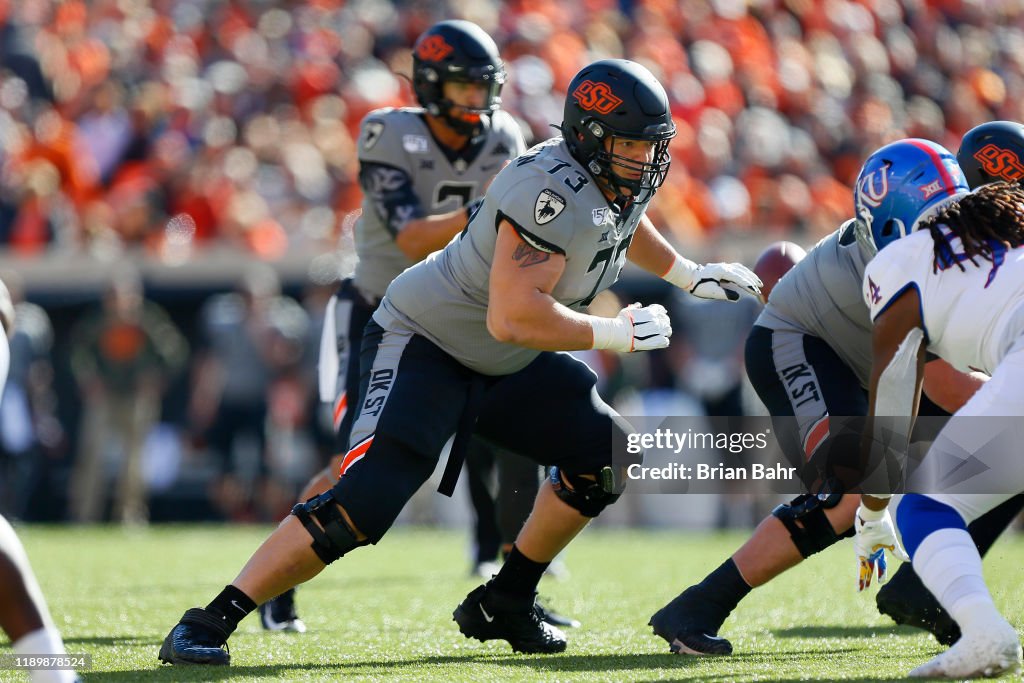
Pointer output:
x,y
528,256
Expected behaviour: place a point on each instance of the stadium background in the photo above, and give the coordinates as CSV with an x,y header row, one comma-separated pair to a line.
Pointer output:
x,y
203,144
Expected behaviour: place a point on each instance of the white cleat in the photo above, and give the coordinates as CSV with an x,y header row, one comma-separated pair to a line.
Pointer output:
x,y
989,654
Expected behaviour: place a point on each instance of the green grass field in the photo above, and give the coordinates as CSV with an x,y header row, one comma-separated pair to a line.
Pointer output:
x,y
385,612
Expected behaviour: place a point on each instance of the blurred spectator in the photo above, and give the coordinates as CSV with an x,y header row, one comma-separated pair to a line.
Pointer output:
x,y
196,121
250,364
122,356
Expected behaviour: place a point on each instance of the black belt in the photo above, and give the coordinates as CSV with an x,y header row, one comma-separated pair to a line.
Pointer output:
x,y
463,433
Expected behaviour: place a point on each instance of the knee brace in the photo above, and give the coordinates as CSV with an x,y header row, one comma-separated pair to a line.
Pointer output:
x,y
804,518
333,537
586,496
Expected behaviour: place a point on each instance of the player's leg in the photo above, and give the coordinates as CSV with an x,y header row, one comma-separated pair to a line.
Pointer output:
x,y
905,599
24,616
396,442
519,481
803,383
345,318
578,440
934,532
934,526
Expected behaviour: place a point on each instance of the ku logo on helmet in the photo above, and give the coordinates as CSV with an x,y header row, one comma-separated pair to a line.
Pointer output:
x,y
596,96
873,189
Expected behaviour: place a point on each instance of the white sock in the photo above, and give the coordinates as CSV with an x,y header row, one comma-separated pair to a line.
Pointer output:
x,y
950,567
45,641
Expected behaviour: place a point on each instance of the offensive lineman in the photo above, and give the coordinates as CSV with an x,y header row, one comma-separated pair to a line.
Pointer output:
x,y
809,358
423,172
949,281
468,337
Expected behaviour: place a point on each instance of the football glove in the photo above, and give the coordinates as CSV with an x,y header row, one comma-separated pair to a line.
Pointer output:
x,y
635,328
874,535
724,281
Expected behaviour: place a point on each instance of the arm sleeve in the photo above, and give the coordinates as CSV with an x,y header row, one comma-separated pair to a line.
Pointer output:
x,y
391,195
384,173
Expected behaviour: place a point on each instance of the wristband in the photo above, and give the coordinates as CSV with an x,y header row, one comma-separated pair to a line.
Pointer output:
x,y
681,273
610,333
869,515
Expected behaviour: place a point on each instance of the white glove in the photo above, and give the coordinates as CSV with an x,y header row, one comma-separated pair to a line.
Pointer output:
x,y
635,328
724,281
874,535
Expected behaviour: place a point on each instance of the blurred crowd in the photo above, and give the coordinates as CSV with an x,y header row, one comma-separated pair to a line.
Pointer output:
x,y
158,129
173,124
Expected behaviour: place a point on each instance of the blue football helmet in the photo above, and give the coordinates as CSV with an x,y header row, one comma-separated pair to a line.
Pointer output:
x,y
900,186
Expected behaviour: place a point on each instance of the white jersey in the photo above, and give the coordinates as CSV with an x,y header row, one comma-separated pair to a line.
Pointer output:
x,y
971,317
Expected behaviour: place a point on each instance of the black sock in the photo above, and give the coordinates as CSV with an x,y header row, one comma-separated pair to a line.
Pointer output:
x,y
519,575
725,587
231,606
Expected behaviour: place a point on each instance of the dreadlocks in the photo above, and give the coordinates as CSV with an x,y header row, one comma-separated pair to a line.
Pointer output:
x,y
988,218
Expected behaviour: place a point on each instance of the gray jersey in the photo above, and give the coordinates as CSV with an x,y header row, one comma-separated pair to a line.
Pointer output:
x,y
406,174
554,205
821,297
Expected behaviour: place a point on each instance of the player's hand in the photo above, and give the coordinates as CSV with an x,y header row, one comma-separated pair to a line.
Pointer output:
x,y
724,281
635,328
874,535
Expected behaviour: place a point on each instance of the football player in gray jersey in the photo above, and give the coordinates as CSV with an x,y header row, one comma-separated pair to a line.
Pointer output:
x,y
466,342
423,171
809,358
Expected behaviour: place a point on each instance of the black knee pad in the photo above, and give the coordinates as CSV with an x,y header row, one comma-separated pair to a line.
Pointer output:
x,y
333,537
804,518
587,496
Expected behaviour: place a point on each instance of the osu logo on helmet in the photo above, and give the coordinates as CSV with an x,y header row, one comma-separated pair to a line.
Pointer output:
x,y
434,49
1000,163
596,97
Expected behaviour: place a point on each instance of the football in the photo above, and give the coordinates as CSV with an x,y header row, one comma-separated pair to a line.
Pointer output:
x,y
774,262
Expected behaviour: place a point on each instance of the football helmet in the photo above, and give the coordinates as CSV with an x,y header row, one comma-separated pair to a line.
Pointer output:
x,y
456,51
993,151
901,185
617,98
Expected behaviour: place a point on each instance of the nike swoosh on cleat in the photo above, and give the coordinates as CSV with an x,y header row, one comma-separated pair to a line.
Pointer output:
x,y
487,616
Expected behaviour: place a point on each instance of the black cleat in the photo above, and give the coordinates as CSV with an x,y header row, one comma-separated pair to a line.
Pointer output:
x,y
690,626
550,616
279,614
906,601
199,638
486,614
